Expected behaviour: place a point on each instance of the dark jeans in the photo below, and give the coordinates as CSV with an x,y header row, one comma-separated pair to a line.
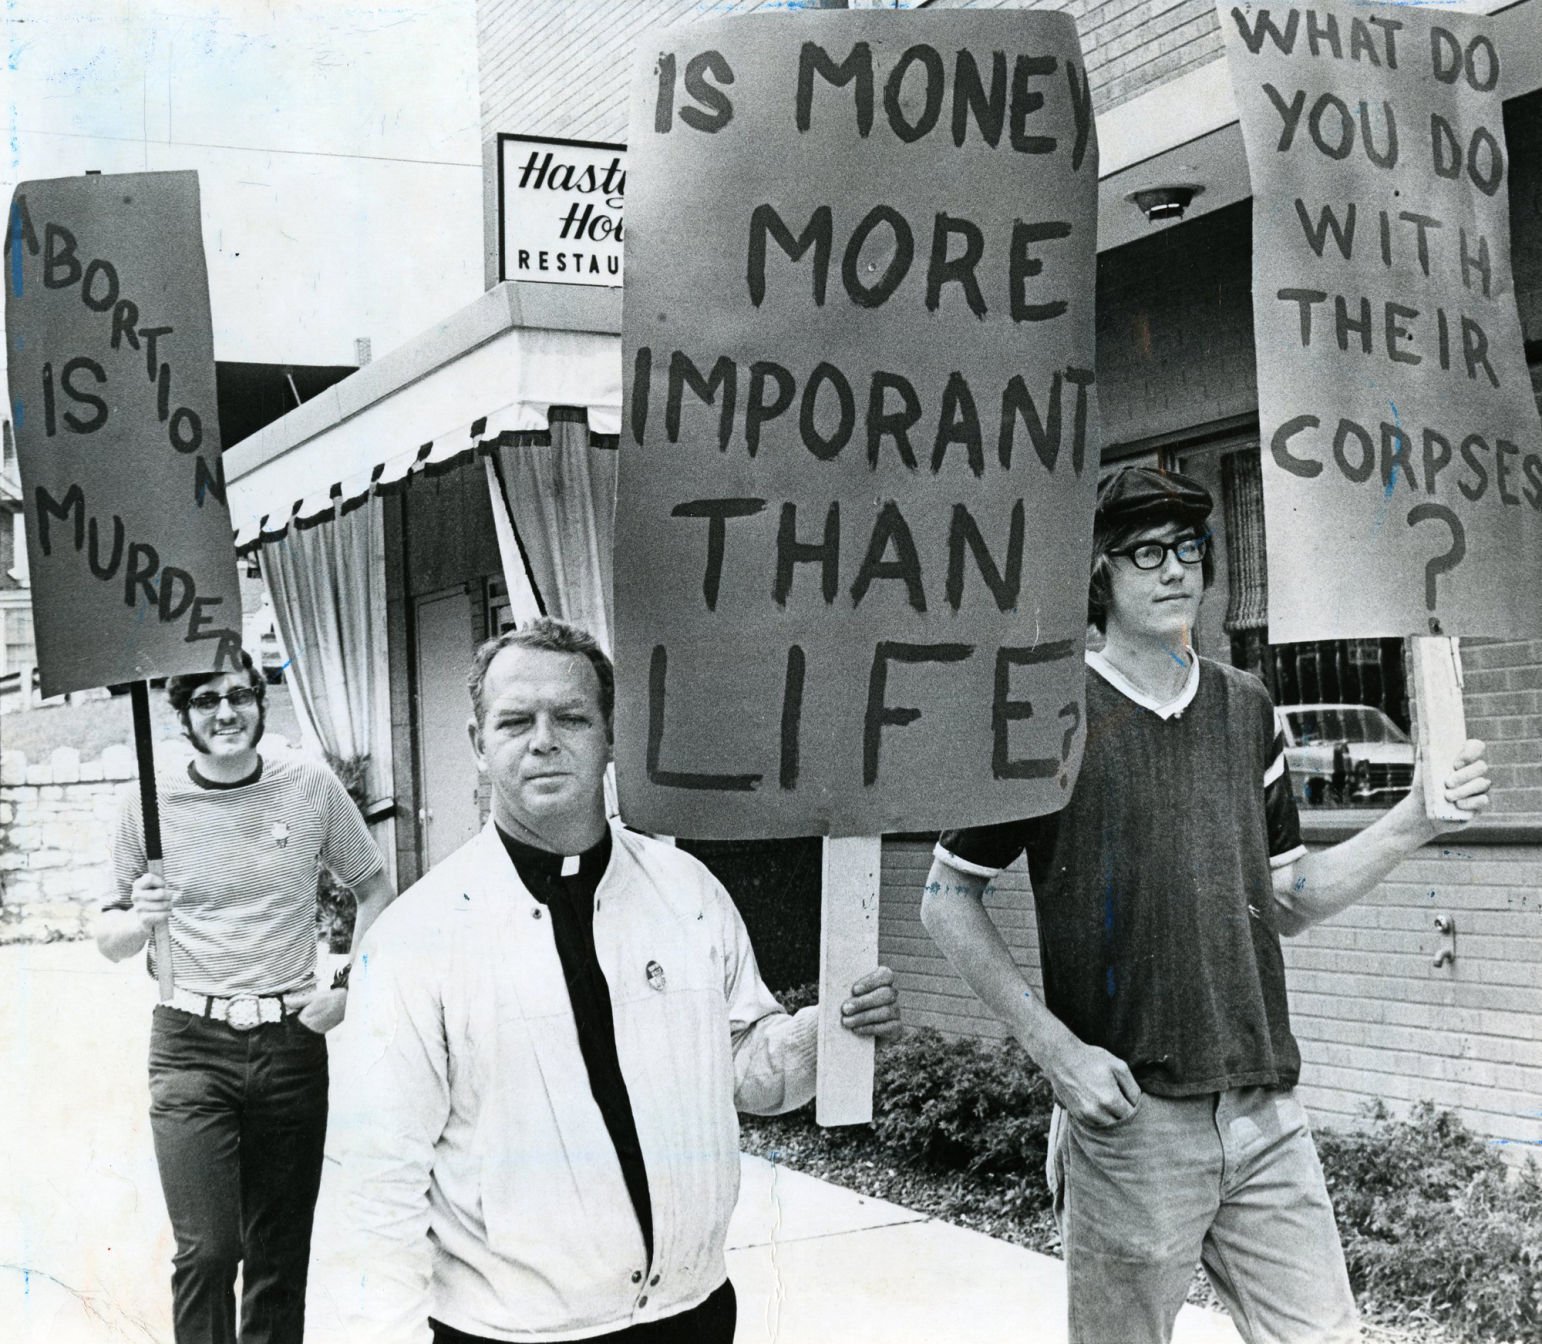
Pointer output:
x,y
239,1119
712,1322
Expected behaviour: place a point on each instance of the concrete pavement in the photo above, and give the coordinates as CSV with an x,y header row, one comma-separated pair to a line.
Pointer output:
x,y
85,1247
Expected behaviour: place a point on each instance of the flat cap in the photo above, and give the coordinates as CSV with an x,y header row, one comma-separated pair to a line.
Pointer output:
x,y
1138,494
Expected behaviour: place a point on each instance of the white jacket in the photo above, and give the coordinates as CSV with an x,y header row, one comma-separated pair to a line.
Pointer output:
x,y
478,1182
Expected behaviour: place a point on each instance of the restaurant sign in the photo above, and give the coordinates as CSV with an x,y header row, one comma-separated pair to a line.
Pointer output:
x,y
559,210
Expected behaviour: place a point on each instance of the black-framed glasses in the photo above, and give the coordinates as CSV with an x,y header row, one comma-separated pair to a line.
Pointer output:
x,y
1153,554
240,697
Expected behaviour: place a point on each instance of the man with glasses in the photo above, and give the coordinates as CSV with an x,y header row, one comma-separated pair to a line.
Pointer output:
x,y
238,1065
1161,890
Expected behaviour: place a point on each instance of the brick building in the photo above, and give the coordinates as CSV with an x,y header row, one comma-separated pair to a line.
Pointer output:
x,y
1377,1017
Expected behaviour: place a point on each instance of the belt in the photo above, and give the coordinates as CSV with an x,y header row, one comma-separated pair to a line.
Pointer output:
x,y
241,1012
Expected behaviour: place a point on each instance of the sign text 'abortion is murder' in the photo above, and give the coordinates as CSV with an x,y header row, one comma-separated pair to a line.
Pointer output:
x,y
860,440
111,360
1401,460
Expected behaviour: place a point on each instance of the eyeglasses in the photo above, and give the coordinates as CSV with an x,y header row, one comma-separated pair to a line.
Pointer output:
x,y
1153,554
206,702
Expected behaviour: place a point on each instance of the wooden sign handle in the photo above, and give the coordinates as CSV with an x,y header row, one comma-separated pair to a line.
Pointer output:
x,y
1442,722
848,950
149,811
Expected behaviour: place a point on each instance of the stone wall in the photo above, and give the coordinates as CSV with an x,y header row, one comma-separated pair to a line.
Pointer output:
x,y
56,821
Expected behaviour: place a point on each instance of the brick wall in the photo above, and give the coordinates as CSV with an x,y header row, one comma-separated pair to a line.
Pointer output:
x,y
550,67
554,68
1375,1019
56,820
1503,698
1129,45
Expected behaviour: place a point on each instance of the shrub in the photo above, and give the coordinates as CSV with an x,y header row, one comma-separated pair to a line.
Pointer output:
x,y
1432,1220
963,1105
799,996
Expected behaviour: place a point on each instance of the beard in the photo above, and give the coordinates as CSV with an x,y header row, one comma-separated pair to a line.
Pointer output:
x,y
201,743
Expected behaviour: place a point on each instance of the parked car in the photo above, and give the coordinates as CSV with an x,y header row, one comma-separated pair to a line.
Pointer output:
x,y
1349,755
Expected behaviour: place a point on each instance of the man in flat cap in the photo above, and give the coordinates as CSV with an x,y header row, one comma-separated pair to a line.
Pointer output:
x,y
1161,891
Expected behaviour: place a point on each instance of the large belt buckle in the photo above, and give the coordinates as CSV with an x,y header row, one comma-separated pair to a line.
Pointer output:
x,y
243,1013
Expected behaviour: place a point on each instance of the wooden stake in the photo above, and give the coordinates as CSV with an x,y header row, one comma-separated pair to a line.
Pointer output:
x,y
1442,722
149,808
848,950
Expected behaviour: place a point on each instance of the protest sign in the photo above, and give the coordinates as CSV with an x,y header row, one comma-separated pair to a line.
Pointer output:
x,y
860,438
112,388
1402,453
560,208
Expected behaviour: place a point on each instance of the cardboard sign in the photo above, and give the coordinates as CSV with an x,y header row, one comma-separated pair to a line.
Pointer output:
x,y
860,443
117,435
560,210
1402,453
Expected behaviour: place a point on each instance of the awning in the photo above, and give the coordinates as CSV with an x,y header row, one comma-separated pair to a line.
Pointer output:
x,y
483,375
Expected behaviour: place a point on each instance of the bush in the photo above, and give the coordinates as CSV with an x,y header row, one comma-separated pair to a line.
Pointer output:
x,y
335,907
1432,1220
963,1105
798,997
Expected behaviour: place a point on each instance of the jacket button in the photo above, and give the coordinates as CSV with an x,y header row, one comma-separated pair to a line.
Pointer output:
x,y
643,1300
637,1276
654,1281
535,914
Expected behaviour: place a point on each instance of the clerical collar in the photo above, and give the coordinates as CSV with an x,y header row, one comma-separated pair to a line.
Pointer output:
x,y
527,858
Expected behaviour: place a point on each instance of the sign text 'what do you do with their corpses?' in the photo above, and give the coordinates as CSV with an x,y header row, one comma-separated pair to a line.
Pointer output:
x,y
1402,452
860,438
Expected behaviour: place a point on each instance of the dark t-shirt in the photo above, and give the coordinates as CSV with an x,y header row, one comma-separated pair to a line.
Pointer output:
x,y
1153,888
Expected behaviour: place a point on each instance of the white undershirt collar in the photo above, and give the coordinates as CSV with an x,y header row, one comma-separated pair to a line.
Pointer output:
x,y
1127,688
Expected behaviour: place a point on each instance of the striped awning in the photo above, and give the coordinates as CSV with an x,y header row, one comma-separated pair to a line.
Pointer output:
x,y
322,460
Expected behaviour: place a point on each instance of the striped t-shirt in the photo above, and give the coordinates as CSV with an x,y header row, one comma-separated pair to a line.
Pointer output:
x,y
244,862
1153,886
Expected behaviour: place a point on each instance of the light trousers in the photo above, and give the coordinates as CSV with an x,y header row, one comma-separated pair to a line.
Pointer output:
x,y
1229,1178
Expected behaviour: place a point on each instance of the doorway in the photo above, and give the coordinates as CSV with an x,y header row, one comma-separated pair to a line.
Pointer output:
x,y
448,813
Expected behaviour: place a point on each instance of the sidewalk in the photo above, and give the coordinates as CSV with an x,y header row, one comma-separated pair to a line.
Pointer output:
x,y
85,1248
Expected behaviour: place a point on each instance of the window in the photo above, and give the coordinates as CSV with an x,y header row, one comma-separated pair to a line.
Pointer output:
x,y
1344,702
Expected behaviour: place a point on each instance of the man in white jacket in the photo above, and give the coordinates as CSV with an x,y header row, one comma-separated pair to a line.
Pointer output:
x,y
554,1029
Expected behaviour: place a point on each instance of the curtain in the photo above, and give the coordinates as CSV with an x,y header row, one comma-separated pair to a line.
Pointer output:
x,y
562,497
1246,570
524,604
328,588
